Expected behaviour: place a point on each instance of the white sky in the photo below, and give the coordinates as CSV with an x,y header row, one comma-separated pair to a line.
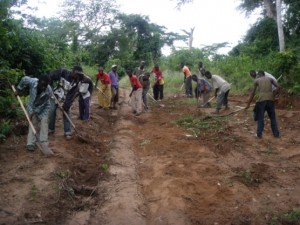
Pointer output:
x,y
215,21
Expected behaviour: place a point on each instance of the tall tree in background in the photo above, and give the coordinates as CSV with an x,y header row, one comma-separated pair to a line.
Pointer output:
x,y
190,36
93,16
279,26
272,9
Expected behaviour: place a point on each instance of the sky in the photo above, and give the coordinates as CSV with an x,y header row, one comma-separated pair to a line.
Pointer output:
x,y
215,21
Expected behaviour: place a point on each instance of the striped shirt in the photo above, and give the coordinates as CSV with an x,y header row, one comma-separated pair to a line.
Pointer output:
x,y
38,103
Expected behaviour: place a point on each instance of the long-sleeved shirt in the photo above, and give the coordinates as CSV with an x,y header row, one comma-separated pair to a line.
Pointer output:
x,y
38,103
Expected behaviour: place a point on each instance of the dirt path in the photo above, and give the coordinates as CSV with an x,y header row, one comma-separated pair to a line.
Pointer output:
x,y
173,165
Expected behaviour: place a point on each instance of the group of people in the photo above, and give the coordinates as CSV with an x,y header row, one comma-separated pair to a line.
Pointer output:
x,y
203,87
61,87
140,82
264,82
108,95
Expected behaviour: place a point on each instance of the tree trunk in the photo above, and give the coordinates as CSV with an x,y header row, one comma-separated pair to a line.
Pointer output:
x,y
270,9
279,26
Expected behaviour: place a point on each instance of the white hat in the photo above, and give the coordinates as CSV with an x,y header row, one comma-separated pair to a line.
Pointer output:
x,y
113,66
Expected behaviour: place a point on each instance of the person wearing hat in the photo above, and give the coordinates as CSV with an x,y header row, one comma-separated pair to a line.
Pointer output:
x,y
187,80
114,78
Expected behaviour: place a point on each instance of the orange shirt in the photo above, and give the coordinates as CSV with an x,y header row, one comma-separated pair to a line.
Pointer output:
x,y
186,71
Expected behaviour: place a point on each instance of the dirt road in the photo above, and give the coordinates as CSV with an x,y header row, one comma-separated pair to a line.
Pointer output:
x,y
173,165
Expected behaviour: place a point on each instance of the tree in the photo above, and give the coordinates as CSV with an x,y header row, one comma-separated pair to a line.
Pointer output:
x,y
268,5
190,36
93,16
279,26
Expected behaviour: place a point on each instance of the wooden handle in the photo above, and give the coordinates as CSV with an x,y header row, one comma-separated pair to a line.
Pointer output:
x,y
24,110
65,113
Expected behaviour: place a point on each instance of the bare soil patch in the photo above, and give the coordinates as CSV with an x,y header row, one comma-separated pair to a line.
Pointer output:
x,y
158,168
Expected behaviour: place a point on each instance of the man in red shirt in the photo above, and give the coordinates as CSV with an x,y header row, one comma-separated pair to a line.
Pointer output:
x,y
104,95
136,93
158,87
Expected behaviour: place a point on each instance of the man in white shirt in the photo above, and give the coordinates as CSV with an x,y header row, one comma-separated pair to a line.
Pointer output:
x,y
222,88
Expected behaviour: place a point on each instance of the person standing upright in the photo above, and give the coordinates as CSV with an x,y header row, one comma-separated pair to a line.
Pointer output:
x,y
222,88
104,96
158,86
187,80
265,102
136,93
114,78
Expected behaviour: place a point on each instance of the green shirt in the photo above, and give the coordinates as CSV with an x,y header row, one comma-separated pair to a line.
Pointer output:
x,y
265,89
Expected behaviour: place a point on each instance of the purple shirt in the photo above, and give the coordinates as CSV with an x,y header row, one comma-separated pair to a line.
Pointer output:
x,y
114,79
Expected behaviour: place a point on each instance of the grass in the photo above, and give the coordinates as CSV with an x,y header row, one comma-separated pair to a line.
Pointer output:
x,y
105,166
291,218
145,142
33,192
247,176
173,81
4,130
63,185
197,124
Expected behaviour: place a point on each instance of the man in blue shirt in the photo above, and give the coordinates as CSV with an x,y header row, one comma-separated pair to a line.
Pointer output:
x,y
114,77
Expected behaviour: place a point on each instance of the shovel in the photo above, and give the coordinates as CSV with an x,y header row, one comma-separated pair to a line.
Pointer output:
x,y
44,150
103,94
160,105
212,98
178,95
67,116
234,112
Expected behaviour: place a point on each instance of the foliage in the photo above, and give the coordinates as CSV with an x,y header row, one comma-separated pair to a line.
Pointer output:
x,y
92,16
4,130
198,125
7,100
291,217
287,64
190,57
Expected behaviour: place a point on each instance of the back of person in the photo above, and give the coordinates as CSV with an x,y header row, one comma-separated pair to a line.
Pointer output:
x,y
219,82
265,89
205,86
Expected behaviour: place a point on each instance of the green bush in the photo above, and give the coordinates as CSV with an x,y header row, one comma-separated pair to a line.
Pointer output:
x,y
4,130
